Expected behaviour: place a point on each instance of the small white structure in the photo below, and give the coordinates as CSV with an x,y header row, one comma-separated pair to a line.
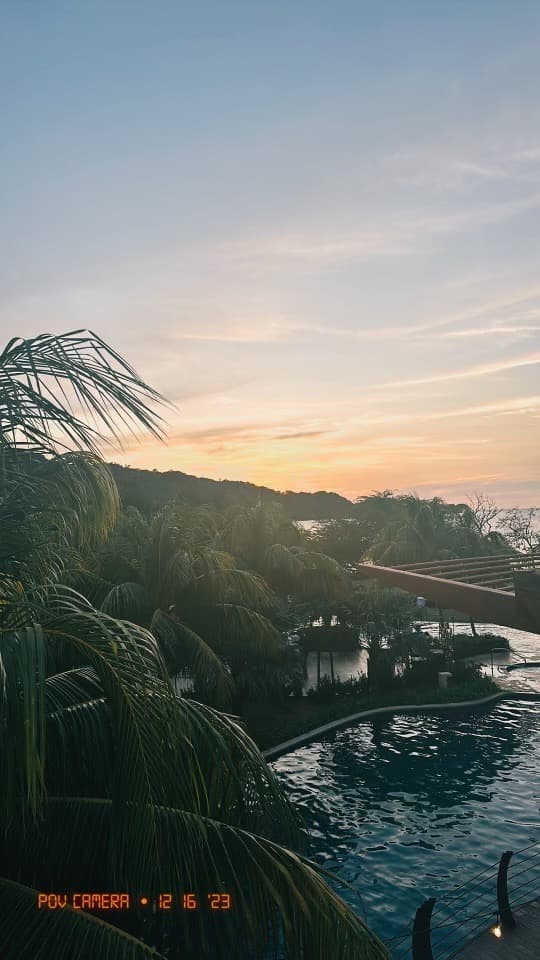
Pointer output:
x,y
443,679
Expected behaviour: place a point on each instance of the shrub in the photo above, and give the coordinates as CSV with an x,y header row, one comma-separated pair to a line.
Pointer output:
x,y
380,670
467,646
422,673
326,691
464,672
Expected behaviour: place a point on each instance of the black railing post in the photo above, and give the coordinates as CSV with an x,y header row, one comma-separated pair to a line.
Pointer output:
x,y
421,939
505,914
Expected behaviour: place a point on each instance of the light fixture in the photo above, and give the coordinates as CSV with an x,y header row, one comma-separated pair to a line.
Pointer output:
x,y
497,930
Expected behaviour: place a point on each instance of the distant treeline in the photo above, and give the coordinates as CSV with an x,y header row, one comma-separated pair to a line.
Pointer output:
x,y
149,490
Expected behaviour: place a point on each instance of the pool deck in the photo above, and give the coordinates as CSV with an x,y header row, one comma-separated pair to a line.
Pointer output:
x,y
523,943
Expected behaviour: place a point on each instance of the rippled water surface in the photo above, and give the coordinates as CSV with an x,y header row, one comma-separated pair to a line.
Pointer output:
x,y
408,807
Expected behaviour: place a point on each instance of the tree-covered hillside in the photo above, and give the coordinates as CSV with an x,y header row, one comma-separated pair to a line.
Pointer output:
x,y
150,490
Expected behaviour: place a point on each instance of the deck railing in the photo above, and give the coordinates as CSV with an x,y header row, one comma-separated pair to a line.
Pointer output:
x,y
443,926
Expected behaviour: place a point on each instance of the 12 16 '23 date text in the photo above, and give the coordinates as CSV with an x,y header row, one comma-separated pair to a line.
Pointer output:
x,y
126,901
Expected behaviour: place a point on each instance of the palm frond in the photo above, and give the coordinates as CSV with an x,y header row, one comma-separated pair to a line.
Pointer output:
x,y
239,786
141,700
128,601
51,507
243,587
183,648
22,722
277,895
42,378
233,629
27,933
80,734
178,573
282,562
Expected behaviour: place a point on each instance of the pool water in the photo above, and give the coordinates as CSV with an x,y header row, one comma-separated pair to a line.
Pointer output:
x,y
409,807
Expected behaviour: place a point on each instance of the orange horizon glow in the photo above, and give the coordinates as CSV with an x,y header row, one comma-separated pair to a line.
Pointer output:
x,y
327,259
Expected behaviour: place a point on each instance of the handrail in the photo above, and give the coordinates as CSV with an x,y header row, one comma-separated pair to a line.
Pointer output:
x,y
505,667
462,917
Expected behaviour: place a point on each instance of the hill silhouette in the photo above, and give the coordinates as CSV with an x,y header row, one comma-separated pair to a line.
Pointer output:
x,y
148,490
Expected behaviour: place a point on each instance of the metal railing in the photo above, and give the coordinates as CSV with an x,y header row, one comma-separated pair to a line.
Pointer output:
x,y
443,926
506,667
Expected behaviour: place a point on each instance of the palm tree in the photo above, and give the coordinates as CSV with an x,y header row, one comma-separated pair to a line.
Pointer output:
x,y
272,545
109,780
410,537
207,613
422,530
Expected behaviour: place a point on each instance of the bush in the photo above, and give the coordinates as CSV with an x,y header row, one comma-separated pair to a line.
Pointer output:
x,y
327,691
464,672
268,682
380,670
422,673
468,646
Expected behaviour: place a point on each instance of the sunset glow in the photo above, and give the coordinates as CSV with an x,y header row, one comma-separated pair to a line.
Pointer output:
x,y
314,228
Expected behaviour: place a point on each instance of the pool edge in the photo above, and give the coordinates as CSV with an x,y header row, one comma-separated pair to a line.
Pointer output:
x,y
272,753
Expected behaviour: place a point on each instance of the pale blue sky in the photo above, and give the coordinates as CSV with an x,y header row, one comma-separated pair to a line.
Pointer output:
x,y
314,226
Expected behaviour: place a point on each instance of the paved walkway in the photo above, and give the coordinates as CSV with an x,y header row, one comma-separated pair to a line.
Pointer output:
x,y
523,943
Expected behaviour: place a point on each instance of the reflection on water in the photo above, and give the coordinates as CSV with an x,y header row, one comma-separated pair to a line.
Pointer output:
x,y
352,663
405,808
346,664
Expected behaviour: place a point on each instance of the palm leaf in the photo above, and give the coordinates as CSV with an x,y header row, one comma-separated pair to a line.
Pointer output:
x,y
27,933
127,601
183,648
80,734
22,722
241,587
51,507
283,563
277,895
42,378
233,629
239,786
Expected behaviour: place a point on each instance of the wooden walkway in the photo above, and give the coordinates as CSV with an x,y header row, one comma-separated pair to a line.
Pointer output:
x,y
523,943
503,590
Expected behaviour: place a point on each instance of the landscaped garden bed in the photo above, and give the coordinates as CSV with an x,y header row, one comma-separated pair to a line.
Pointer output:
x,y
269,725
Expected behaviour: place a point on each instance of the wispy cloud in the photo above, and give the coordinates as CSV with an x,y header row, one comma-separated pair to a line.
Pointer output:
x,y
482,171
520,404
454,166
430,326
401,234
490,330
480,370
255,330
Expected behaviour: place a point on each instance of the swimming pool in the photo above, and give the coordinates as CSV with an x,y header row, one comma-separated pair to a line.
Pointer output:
x,y
408,807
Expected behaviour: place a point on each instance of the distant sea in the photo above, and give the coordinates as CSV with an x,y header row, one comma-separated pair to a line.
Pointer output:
x,y
310,525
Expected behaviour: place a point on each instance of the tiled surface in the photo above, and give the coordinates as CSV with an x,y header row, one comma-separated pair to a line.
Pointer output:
x,y
523,943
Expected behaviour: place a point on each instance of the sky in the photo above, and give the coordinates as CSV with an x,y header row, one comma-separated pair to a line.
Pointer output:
x,y
315,227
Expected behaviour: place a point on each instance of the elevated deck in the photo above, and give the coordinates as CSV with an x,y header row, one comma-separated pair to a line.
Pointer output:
x,y
502,590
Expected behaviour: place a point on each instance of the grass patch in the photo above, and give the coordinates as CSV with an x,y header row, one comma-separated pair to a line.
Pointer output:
x,y
270,723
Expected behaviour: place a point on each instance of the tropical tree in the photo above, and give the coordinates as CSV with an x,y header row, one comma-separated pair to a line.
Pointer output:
x,y
110,781
266,541
208,614
423,530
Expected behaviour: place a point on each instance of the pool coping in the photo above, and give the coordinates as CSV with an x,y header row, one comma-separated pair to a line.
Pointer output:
x,y
272,753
